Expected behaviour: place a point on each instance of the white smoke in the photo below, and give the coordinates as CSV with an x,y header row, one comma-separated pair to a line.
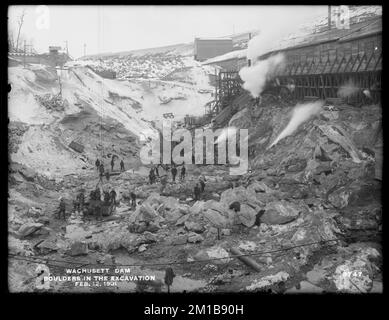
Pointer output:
x,y
255,77
300,114
348,90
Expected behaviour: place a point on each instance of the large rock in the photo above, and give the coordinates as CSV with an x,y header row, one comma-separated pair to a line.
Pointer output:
x,y
247,215
78,248
27,173
194,226
145,213
197,208
220,255
173,215
29,228
356,193
280,212
242,195
193,237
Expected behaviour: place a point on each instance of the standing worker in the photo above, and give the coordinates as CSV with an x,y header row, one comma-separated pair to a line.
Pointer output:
x,y
202,184
112,162
113,196
101,169
62,208
174,173
151,176
197,192
80,201
107,175
163,182
183,171
156,171
97,163
133,199
121,165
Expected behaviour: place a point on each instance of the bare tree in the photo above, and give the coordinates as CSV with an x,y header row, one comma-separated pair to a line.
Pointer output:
x,y
20,24
11,40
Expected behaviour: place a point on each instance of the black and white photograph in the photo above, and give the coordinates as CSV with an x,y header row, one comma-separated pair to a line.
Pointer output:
x,y
208,149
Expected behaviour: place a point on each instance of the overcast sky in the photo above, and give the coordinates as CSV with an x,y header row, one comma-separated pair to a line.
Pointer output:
x,y
123,28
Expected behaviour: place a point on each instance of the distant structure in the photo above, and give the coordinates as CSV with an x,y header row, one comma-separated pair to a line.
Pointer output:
x,y
55,57
54,50
206,48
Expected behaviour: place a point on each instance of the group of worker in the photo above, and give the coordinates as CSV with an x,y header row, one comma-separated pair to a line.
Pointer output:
x,y
154,173
100,168
95,202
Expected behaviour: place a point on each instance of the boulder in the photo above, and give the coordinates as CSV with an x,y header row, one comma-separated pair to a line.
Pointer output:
x,y
280,212
247,215
218,219
27,173
47,246
197,208
173,215
220,255
181,220
179,240
194,226
78,248
242,195
29,228
194,237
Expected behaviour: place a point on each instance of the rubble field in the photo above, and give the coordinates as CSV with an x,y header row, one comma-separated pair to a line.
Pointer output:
x,y
309,219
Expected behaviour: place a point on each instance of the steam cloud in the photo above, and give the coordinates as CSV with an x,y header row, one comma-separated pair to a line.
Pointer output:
x,y
255,77
300,114
347,90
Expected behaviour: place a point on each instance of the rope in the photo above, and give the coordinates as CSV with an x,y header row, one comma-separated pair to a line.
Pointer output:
x,y
187,262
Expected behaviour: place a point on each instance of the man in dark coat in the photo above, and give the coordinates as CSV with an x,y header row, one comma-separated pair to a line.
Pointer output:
x,y
174,173
112,163
101,170
97,163
133,199
151,176
107,198
113,196
107,175
183,171
62,208
202,184
122,165
80,201
197,192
